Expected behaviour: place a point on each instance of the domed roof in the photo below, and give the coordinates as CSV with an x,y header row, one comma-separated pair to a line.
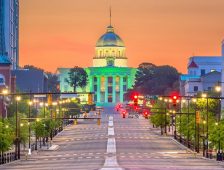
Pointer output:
x,y
110,39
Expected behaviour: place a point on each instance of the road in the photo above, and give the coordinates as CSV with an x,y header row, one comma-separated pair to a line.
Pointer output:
x,y
117,144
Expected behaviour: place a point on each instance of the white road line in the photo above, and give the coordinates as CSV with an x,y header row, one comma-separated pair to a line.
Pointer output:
x,y
111,145
111,123
111,118
110,131
111,162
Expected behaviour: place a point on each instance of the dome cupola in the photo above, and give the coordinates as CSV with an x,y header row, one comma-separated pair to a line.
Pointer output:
x,y
110,39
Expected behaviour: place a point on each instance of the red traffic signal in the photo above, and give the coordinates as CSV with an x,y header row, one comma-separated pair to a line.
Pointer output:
x,y
135,96
174,98
146,113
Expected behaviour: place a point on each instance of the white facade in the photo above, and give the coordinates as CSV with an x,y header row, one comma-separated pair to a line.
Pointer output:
x,y
203,74
206,64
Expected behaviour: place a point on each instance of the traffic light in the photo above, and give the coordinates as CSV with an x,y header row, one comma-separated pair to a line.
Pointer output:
x,y
135,100
174,100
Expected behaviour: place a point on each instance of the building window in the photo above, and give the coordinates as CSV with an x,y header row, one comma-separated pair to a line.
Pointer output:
x,y
1,80
110,80
110,89
95,88
125,79
95,79
95,97
125,88
110,62
202,72
110,99
209,88
195,88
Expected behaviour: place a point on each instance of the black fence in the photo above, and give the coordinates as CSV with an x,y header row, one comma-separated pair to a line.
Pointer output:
x,y
7,157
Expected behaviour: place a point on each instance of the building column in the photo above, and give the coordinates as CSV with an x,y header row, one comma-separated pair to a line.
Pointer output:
x,y
91,84
114,90
98,89
106,89
121,89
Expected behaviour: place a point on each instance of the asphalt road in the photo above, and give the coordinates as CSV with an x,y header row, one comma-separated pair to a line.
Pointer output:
x,y
118,143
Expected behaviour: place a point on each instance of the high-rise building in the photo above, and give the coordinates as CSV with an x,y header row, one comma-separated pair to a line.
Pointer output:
x,y
9,30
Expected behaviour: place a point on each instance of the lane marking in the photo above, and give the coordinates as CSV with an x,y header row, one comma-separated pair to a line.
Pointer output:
x,y
111,161
111,145
110,131
111,123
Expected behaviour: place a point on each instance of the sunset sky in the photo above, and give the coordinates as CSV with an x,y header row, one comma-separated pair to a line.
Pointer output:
x,y
63,33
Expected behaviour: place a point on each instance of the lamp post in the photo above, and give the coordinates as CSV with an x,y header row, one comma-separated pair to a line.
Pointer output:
x,y
55,113
204,149
180,121
4,92
196,141
30,104
218,89
60,114
219,143
17,148
204,95
188,120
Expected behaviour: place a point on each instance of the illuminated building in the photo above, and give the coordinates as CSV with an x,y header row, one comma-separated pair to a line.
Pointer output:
x,y
109,77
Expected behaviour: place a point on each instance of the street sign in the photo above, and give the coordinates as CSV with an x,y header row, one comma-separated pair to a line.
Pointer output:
x,y
197,117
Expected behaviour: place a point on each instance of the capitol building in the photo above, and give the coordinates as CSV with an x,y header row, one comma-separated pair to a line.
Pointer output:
x,y
109,77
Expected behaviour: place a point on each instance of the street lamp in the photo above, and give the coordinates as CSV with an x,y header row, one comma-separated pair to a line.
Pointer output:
x,y
17,153
204,153
30,104
4,93
219,145
204,95
218,89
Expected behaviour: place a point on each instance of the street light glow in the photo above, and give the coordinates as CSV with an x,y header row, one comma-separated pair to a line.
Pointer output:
x,y
194,100
5,91
218,88
18,98
204,95
54,103
30,103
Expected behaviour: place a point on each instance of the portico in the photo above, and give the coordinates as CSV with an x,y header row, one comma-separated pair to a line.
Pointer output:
x,y
110,83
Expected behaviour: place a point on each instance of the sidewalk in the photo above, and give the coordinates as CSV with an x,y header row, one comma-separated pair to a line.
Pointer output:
x,y
188,150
